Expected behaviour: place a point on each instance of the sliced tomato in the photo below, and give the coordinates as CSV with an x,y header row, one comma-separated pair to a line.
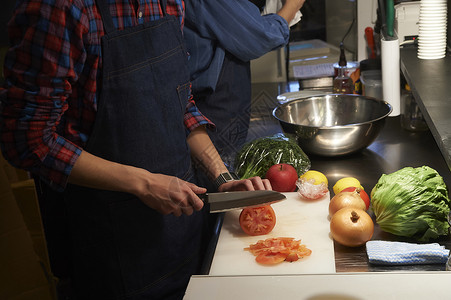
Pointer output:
x,y
258,220
271,258
292,257
275,250
301,251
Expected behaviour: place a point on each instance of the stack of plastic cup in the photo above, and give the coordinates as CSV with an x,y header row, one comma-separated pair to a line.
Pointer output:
x,y
432,29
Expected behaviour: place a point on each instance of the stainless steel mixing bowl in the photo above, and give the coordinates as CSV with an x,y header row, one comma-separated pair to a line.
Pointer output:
x,y
333,125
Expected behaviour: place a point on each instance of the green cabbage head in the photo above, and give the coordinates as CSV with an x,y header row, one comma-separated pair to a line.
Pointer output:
x,y
412,202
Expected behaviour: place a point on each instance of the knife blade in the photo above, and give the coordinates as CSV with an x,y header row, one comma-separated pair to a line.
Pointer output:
x,y
225,201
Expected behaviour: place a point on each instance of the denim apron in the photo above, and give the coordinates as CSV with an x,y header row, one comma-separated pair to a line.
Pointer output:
x,y
123,249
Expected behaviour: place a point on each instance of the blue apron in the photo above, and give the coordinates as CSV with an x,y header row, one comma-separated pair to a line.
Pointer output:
x,y
123,249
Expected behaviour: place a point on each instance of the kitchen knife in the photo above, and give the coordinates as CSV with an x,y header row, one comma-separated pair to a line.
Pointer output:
x,y
225,201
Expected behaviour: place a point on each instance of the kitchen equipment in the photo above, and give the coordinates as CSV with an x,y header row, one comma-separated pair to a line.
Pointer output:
x,y
407,15
225,201
369,35
391,72
311,59
412,118
368,14
448,30
296,218
390,59
390,17
342,82
371,83
333,125
287,97
432,29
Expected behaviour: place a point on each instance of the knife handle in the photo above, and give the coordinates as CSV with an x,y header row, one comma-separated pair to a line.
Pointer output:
x,y
203,197
390,17
369,34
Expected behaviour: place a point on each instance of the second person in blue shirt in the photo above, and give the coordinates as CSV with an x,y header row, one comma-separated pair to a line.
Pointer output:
x,y
222,37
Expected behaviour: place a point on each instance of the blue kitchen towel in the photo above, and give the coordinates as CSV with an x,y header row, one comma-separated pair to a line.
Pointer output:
x,y
400,253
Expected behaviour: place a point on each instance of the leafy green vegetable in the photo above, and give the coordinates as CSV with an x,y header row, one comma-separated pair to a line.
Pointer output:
x,y
412,202
257,156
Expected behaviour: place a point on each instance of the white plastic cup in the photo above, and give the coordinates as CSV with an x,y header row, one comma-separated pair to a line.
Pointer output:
x,y
432,29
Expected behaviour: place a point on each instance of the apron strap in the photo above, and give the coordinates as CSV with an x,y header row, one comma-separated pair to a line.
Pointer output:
x,y
104,8
163,7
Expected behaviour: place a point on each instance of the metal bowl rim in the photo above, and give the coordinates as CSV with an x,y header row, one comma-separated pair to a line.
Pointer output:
x,y
390,109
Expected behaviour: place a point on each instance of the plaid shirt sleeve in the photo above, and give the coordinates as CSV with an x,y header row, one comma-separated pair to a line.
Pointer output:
x,y
41,67
194,118
48,106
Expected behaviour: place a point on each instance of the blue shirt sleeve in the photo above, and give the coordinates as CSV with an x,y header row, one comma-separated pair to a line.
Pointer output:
x,y
237,26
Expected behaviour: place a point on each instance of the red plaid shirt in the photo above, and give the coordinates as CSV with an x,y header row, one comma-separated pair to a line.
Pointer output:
x,y
49,104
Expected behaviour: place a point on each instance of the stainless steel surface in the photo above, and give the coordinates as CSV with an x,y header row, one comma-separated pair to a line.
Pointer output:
x,y
220,202
392,150
334,124
429,81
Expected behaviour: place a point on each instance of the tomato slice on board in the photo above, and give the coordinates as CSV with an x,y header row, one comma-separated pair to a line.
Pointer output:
x,y
271,258
275,250
258,220
292,257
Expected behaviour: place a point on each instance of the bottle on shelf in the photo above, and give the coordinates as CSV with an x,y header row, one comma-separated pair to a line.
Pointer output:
x,y
411,117
342,82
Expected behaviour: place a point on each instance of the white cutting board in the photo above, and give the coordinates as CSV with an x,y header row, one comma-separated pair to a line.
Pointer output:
x,y
297,218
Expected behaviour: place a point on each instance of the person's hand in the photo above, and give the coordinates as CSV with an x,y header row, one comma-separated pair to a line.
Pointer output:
x,y
165,194
251,184
294,4
290,8
171,195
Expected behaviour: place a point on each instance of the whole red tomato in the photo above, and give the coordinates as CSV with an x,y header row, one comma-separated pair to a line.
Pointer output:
x,y
362,195
282,177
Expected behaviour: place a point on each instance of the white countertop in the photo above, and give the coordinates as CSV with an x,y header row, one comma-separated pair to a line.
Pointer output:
x,y
340,286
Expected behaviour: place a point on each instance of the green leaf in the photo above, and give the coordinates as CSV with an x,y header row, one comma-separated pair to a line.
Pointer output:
x,y
412,202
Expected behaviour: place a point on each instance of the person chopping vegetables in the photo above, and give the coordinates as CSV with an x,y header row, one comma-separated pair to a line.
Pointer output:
x,y
97,107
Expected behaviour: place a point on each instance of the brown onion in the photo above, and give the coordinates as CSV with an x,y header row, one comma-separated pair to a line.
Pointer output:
x,y
351,227
346,199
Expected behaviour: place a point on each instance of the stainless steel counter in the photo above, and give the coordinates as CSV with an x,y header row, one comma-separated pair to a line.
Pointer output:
x,y
393,149
430,81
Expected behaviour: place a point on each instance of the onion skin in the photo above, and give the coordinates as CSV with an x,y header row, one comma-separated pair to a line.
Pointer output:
x,y
361,193
351,227
346,199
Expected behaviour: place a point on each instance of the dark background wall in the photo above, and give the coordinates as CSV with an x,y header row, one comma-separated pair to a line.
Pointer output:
x,y
6,8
